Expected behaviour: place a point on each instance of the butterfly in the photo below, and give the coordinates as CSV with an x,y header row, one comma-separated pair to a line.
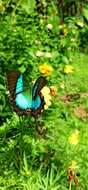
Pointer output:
x,y
25,98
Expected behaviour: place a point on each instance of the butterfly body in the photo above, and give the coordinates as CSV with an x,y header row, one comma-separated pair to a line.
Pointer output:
x,y
25,99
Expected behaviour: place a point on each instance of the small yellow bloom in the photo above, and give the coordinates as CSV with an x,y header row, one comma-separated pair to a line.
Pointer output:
x,y
48,55
65,31
47,104
39,53
47,98
74,165
62,85
46,107
43,54
61,26
74,138
68,69
45,90
45,69
53,90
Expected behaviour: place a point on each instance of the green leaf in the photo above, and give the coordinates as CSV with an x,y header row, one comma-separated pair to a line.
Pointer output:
x,y
2,87
85,12
25,162
29,6
22,69
2,102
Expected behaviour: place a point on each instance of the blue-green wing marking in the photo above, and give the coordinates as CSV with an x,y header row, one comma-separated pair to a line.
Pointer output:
x,y
36,103
23,102
19,85
23,98
28,99
36,98
40,82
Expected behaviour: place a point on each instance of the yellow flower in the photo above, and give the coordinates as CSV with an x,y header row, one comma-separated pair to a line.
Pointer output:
x,y
61,26
68,69
45,69
46,107
62,85
45,90
53,90
65,31
39,53
47,98
74,165
42,53
48,55
74,138
47,104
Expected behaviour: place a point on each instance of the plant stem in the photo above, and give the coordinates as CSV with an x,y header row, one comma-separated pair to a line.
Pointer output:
x,y
70,185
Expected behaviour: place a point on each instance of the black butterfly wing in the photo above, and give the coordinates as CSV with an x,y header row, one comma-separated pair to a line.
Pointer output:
x,y
39,84
12,77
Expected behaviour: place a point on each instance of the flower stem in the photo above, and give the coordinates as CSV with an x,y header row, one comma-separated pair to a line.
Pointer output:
x,y
70,185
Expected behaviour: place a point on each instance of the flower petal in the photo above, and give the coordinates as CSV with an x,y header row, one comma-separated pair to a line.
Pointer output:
x,y
74,138
45,69
68,69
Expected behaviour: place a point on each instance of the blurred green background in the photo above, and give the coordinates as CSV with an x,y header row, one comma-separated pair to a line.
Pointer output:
x,y
38,158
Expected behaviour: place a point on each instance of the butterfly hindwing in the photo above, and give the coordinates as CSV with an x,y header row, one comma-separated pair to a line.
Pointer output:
x,y
24,100
16,88
19,85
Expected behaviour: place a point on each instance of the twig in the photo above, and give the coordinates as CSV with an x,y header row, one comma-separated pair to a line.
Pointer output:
x,y
70,97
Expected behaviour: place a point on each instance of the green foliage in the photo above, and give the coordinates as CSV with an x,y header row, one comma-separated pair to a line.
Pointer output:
x,y
37,155
85,12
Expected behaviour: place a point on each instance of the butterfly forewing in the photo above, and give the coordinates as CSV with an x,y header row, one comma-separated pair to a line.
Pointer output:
x,y
36,92
39,84
12,77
